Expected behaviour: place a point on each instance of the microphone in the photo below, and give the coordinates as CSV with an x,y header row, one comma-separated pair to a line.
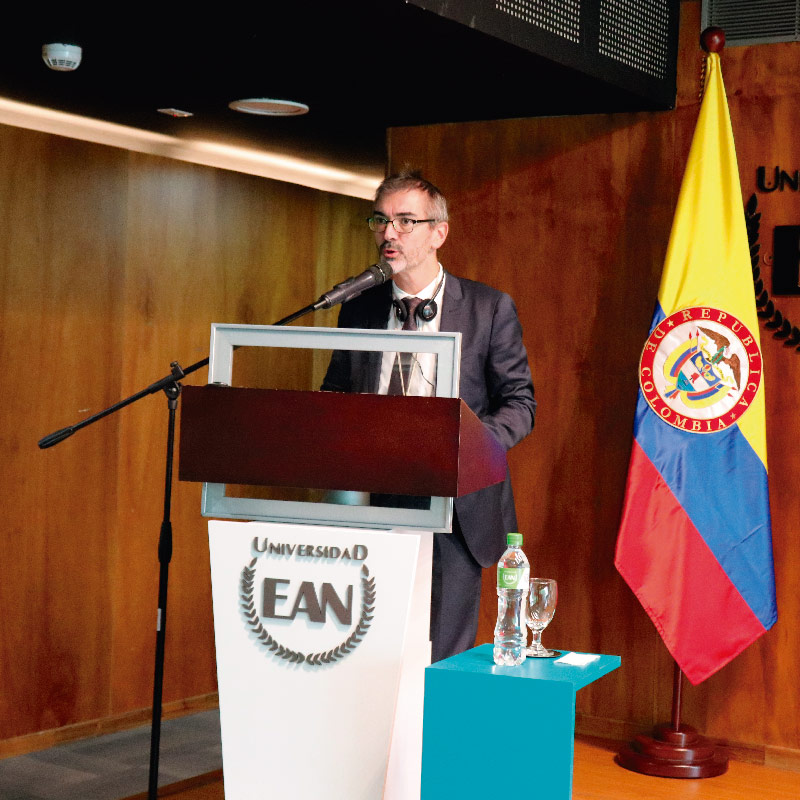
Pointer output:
x,y
352,287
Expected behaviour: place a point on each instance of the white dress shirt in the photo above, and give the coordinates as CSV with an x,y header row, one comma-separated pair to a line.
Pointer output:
x,y
422,382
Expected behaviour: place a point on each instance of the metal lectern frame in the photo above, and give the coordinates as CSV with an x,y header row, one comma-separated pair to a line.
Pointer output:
x,y
225,338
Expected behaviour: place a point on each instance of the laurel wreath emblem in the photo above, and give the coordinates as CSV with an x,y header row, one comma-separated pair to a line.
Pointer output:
x,y
315,659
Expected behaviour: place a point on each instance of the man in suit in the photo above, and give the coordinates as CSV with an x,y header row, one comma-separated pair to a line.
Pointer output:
x,y
410,224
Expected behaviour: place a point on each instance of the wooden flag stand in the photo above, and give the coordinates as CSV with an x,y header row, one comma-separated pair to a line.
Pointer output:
x,y
674,750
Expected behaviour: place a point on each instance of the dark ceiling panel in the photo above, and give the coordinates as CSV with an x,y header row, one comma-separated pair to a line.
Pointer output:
x,y
360,66
628,45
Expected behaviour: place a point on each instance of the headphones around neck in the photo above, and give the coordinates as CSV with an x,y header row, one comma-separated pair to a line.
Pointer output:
x,y
426,311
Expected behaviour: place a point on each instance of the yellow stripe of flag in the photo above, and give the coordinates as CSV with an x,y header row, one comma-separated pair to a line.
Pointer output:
x,y
708,257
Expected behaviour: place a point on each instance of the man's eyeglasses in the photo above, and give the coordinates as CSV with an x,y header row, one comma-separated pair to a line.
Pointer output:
x,y
378,223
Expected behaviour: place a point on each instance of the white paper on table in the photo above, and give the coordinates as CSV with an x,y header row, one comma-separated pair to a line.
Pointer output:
x,y
576,659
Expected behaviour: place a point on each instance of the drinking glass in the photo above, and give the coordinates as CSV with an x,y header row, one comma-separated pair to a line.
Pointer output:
x,y
540,609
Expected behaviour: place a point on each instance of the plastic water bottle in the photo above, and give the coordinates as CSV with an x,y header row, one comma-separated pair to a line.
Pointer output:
x,y
513,571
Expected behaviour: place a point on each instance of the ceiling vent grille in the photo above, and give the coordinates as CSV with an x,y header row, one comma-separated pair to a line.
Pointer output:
x,y
637,34
753,21
630,45
562,17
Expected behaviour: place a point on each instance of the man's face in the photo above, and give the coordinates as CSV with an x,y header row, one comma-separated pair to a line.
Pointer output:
x,y
412,256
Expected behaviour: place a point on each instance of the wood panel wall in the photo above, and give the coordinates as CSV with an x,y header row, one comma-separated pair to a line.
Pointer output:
x,y
112,265
571,216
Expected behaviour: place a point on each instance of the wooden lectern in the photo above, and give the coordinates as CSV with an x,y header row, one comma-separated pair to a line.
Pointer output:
x,y
327,440
339,716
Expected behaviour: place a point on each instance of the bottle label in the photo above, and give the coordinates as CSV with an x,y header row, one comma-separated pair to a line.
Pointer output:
x,y
510,578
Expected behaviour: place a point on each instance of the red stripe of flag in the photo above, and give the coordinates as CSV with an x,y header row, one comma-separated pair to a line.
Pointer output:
x,y
659,551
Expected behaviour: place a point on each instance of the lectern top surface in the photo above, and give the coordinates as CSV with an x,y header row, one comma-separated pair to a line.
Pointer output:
x,y
479,661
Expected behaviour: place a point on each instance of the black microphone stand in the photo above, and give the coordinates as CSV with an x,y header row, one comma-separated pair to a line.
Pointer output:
x,y
172,388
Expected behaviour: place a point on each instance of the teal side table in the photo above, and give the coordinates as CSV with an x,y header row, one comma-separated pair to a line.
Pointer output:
x,y
488,730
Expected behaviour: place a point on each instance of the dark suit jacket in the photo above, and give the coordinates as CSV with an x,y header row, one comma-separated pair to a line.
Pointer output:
x,y
495,383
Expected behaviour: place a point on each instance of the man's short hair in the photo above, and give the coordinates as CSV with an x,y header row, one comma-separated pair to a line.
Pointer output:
x,y
408,180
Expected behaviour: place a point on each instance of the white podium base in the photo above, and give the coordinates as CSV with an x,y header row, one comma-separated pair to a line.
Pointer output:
x,y
322,641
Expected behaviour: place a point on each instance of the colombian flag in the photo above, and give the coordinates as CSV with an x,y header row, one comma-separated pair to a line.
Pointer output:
x,y
695,543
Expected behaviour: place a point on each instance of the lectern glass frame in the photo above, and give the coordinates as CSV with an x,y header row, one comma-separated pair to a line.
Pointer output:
x,y
225,338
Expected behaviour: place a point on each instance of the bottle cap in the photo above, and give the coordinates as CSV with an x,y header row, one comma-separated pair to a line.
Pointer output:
x,y
514,539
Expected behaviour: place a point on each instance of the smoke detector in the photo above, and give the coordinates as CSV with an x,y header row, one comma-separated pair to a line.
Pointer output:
x,y
62,57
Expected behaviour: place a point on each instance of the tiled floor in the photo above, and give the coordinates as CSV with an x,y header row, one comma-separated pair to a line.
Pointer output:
x,y
114,766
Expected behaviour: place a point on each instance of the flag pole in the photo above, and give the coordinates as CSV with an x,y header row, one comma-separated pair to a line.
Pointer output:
x,y
676,750
677,685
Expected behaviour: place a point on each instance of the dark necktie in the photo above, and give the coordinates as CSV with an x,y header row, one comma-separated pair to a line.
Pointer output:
x,y
401,371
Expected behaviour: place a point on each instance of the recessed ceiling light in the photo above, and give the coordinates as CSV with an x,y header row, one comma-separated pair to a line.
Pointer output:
x,y
269,107
175,112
